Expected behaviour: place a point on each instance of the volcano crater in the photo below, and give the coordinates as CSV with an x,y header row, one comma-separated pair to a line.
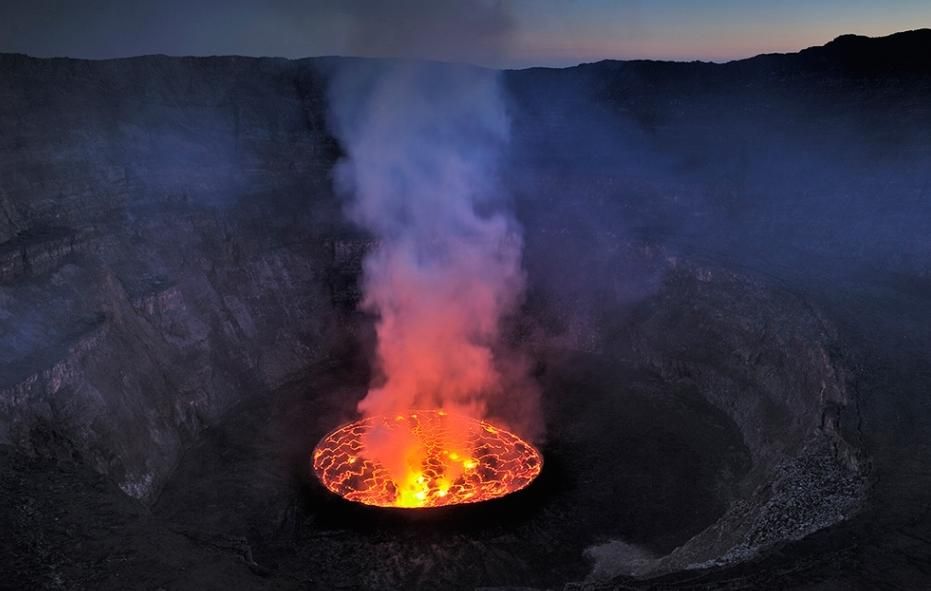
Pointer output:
x,y
697,428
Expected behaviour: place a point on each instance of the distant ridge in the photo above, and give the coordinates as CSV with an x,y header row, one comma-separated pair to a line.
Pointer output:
x,y
907,50
903,51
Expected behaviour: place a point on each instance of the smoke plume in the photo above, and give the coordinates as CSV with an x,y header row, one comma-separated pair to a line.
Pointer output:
x,y
423,145
424,142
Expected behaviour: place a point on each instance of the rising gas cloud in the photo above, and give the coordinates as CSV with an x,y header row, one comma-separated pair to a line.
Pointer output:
x,y
424,143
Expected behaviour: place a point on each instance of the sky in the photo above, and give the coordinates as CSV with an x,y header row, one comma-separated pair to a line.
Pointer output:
x,y
498,33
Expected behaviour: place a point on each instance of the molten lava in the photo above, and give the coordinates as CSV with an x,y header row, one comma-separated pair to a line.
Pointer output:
x,y
424,459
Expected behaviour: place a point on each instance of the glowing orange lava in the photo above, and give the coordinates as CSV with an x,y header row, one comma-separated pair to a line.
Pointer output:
x,y
424,459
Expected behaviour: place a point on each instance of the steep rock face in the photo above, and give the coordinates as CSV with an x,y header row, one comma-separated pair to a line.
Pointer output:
x,y
771,362
758,352
163,249
87,141
123,377
786,161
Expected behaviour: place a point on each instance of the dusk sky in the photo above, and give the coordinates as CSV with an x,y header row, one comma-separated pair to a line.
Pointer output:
x,y
512,33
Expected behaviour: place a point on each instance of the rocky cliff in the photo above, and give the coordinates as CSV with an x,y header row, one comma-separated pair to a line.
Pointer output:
x,y
166,228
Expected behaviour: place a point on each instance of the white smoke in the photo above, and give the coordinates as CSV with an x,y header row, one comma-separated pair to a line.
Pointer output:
x,y
424,143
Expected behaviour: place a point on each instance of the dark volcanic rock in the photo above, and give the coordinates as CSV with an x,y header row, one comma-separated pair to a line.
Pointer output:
x,y
163,252
771,364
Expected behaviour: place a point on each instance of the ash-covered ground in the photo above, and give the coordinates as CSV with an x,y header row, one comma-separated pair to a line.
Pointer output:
x,y
728,300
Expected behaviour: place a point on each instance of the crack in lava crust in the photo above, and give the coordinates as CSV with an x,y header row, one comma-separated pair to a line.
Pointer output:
x,y
444,460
